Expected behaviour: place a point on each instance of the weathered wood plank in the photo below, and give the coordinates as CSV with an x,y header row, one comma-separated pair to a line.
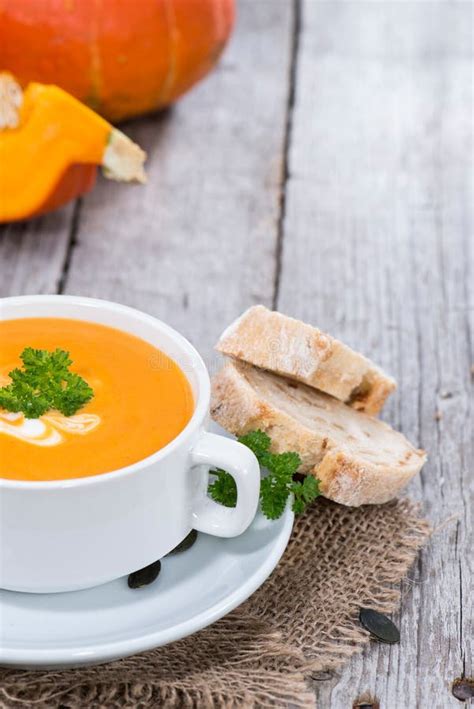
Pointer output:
x,y
33,254
377,248
197,244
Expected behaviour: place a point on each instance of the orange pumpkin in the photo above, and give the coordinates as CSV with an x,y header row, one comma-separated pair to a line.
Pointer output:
x,y
120,57
50,144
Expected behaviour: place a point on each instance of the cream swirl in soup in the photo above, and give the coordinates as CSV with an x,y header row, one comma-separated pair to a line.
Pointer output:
x,y
49,429
141,401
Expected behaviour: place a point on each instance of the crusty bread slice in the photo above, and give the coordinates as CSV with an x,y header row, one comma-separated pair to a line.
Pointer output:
x,y
299,351
358,458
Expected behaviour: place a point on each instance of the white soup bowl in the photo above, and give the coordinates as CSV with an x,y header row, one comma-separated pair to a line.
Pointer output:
x,y
78,533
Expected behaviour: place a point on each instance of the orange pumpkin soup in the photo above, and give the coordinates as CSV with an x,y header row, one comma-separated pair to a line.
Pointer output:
x,y
142,400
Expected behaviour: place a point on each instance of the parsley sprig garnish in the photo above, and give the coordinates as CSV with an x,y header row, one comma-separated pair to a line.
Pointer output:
x,y
276,487
44,383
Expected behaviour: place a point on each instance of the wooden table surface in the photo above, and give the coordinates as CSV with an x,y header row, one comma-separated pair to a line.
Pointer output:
x,y
324,169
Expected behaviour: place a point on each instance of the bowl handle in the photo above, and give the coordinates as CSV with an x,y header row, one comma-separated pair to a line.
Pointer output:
x,y
208,516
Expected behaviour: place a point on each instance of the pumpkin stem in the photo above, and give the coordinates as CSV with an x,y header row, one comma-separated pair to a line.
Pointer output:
x,y
11,99
123,159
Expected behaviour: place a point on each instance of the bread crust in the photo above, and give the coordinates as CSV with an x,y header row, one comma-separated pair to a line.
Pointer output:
x,y
358,459
299,351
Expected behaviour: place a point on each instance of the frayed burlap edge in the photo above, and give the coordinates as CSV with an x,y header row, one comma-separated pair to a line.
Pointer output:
x,y
302,621
254,667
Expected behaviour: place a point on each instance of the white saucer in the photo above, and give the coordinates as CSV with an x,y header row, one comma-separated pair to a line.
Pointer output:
x,y
194,589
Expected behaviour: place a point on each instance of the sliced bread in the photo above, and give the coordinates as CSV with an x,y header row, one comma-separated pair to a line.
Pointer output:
x,y
359,459
299,351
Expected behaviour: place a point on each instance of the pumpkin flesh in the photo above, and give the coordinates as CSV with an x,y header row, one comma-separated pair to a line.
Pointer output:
x,y
50,156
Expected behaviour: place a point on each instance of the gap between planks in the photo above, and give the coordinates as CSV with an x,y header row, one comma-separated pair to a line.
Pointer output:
x,y
72,243
293,68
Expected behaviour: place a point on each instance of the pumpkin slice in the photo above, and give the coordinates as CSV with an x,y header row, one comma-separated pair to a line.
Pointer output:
x,y
50,144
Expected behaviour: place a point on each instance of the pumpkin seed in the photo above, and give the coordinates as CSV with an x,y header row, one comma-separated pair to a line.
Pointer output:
x,y
186,544
145,576
379,626
463,688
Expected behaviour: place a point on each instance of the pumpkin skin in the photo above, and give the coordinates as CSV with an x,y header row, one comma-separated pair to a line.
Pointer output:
x,y
76,181
122,58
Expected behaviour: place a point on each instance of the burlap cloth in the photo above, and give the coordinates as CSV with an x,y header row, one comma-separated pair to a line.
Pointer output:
x,y
302,621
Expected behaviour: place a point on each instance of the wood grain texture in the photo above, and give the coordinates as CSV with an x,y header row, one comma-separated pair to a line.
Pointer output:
x,y
365,230
33,254
377,249
197,244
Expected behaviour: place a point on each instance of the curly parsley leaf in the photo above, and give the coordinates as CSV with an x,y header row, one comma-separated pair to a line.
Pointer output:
x,y
283,465
45,383
304,493
258,442
223,489
273,497
276,486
